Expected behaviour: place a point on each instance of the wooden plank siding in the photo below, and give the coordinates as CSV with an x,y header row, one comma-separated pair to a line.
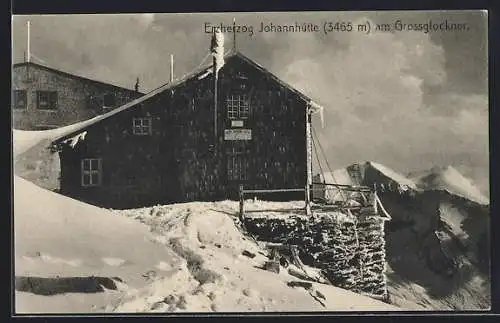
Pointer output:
x,y
176,163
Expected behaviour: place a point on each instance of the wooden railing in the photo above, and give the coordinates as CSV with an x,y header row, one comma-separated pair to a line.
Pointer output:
x,y
366,194
242,193
346,187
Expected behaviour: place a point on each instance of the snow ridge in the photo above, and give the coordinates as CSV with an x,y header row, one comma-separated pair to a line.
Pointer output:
x,y
395,176
451,180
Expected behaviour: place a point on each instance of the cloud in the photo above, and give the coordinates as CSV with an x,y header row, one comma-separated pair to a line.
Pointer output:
x,y
145,19
374,94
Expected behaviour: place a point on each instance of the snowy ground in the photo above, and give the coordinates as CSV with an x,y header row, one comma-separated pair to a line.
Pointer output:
x,y
185,257
56,236
219,277
191,261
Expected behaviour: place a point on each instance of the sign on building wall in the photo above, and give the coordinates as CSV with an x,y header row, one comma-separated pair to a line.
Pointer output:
x,y
238,134
237,123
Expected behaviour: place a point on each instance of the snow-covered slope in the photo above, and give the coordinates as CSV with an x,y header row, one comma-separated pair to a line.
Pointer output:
x,y
391,174
370,173
58,236
338,176
450,180
192,260
222,278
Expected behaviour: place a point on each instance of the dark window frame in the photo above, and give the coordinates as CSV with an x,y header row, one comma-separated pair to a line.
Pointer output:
x,y
106,98
51,100
238,106
15,100
139,128
91,167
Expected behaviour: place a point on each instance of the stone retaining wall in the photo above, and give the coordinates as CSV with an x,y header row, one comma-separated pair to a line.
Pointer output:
x,y
349,250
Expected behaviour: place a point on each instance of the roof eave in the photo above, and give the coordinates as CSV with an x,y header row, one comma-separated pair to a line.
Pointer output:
x,y
75,76
170,86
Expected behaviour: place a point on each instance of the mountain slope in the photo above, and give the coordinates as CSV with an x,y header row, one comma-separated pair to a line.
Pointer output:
x,y
450,180
389,174
437,240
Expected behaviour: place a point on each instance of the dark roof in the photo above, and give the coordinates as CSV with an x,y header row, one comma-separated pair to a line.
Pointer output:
x,y
51,69
199,72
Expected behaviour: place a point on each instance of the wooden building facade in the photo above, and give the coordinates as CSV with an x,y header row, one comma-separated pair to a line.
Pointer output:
x,y
172,145
44,97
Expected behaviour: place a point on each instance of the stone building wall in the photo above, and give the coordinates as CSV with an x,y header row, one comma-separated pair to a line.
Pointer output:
x,y
78,99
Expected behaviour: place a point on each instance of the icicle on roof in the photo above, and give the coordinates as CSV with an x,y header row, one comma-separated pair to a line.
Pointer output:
x,y
73,141
315,108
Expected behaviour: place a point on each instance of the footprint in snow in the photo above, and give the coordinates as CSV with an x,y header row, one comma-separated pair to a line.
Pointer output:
x,y
149,275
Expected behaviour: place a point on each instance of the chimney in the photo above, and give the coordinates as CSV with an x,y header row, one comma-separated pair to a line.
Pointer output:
x,y
217,50
136,87
171,68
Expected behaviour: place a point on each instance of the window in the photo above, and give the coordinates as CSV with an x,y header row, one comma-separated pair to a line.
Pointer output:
x,y
20,99
91,172
237,107
236,165
142,126
109,100
46,100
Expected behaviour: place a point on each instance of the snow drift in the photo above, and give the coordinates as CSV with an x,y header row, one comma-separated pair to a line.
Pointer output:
x,y
58,237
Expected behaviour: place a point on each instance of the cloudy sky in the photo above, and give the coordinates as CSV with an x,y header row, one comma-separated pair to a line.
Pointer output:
x,y
409,100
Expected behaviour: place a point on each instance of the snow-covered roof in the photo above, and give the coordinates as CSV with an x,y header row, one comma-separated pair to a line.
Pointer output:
x,y
200,72
74,76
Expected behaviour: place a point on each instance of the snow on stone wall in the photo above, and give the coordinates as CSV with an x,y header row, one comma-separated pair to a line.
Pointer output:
x,y
349,250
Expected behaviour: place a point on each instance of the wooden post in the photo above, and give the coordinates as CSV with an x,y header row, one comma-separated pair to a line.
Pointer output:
x,y
171,68
28,52
308,200
308,161
234,34
241,195
29,40
215,99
